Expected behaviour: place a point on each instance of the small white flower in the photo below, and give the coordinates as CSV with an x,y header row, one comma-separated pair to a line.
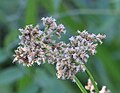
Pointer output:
x,y
71,38
104,90
74,55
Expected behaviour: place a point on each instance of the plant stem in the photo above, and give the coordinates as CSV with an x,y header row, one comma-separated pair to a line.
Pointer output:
x,y
92,79
80,85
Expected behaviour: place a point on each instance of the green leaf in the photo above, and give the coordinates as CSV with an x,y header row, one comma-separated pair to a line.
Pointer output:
x,y
10,75
11,37
47,4
108,63
4,55
56,4
24,82
30,88
6,89
31,12
51,85
102,76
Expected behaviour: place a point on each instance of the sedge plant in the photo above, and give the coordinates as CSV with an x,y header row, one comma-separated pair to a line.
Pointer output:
x,y
38,46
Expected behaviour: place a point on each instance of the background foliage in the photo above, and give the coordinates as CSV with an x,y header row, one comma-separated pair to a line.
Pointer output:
x,y
98,16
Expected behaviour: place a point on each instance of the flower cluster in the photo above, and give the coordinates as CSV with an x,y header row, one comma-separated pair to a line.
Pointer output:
x,y
30,50
91,88
37,46
34,42
73,55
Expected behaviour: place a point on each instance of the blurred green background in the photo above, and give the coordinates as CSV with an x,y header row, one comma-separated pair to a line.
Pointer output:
x,y
97,16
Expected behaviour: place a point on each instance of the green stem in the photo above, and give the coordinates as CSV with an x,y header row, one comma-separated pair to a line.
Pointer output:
x,y
80,85
92,79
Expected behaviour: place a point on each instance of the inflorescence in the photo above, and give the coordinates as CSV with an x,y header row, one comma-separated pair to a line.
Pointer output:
x,y
38,46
